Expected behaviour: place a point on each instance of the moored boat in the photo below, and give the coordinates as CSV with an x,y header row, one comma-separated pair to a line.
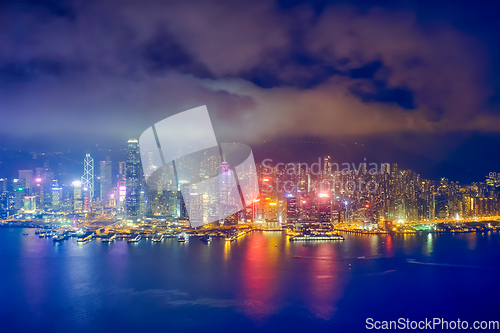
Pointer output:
x,y
134,238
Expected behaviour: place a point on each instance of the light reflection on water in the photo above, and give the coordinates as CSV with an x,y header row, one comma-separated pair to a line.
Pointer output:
x,y
258,278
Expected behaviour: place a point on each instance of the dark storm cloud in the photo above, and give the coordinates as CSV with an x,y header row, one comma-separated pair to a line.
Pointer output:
x,y
163,53
367,71
290,68
378,92
113,68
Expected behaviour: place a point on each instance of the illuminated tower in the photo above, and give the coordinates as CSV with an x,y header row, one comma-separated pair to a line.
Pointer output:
x,y
27,176
225,183
133,171
105,180
88,175
291,208
77,197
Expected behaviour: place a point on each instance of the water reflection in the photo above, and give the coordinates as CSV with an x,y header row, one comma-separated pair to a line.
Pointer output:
x,y
325,283
388,246
427,250
259,280
33,267
471,241
374,245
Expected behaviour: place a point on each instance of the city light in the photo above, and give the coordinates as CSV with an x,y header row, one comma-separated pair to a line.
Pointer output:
x,y
77,183
323,195
272,204
38,180
265,180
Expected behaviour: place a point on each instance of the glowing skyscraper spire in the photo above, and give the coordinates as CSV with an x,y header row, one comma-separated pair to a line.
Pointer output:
x,y
88,175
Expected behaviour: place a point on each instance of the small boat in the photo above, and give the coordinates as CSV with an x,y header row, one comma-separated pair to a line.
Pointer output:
x,y
108,238
157,238
85,237
182,238
134,238
25,234
60,237
206,238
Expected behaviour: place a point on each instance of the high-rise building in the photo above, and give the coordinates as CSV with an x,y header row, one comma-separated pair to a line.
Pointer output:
x,y
291,208
122,171
56,198
27,177
77,197
105,181
225,184
88,175
324,208
440,206
133,173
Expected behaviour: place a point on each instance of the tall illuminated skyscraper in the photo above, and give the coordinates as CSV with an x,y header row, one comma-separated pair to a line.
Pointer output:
x,y
88,182
225,183
27,177
77,197
105,180
133,172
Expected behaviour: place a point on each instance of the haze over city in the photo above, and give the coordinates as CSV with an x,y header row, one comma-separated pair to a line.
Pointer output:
x,y
259,166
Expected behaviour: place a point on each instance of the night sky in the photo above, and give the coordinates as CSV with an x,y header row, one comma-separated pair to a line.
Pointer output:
x,y
416,83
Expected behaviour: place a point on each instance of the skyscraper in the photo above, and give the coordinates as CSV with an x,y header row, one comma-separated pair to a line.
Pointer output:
x,y
88,179
27,177
225,184
105,180
77,197
133,172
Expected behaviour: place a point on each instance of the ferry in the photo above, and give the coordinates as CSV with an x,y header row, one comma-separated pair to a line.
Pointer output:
x,y
206,238
316,238
134,238
157,238
61,237
85,237
182,238
108,238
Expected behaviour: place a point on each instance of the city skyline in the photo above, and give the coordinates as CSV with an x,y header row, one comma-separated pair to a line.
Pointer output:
x,y
259,166
323,192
